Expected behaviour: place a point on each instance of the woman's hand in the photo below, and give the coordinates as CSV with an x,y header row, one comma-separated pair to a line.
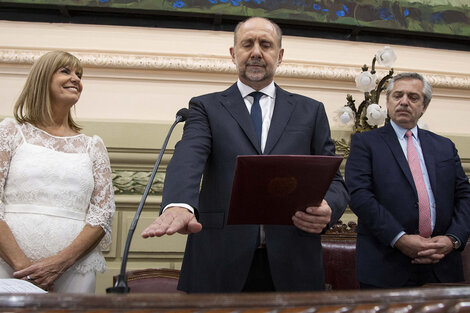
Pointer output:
x,y
10,251
45,272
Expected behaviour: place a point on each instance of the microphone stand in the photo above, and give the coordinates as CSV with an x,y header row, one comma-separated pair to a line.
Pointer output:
x,y
121,282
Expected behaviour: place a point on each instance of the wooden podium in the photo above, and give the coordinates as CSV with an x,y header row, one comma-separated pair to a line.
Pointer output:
x,y
436,298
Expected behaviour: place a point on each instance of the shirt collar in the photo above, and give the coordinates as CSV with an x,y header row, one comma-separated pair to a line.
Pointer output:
x,y
400,131
245,90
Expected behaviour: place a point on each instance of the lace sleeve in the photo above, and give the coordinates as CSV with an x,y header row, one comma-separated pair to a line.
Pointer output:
x,y
102,205
9,140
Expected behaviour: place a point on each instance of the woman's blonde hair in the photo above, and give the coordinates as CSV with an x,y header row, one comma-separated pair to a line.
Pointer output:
x,y
34,103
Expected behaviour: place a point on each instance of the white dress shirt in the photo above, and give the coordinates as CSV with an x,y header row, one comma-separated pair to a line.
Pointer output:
x,y
266,103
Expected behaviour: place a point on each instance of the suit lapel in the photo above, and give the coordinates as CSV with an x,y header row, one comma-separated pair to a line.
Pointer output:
x,y
390,138
283,109
232,100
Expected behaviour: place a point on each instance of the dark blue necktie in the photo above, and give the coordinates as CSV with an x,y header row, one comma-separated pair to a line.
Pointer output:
x,y
256,113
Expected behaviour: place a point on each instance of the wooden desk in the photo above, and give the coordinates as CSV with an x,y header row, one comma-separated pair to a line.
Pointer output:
x,y
430,300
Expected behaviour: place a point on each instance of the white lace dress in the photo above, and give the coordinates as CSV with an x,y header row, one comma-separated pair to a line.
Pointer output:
x,y
50,187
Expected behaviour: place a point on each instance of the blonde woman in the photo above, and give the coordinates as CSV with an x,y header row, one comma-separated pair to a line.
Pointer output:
x,y
56,196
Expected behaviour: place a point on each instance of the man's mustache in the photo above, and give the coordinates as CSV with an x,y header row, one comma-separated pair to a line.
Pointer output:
x,y
403,109
255,63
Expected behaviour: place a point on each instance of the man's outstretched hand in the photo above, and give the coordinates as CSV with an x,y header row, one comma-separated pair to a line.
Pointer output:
x,y
173,220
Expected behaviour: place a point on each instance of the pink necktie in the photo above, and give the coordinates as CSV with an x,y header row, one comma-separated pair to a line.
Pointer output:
x,y
425,229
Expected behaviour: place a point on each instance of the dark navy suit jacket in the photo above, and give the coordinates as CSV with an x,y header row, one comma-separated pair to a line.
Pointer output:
x,y
218,129
384,198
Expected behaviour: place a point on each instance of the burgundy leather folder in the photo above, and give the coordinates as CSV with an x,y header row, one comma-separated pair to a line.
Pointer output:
x,y
269,189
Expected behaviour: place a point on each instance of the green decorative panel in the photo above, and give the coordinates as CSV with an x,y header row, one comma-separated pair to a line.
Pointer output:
x,y
438,17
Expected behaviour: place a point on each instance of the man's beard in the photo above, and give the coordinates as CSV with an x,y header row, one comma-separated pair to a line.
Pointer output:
x,y
257,75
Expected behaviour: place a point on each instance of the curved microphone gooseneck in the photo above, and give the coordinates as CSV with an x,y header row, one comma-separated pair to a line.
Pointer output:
x,y
121,282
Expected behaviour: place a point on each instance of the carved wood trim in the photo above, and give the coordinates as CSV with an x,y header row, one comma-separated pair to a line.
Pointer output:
x,y
341,231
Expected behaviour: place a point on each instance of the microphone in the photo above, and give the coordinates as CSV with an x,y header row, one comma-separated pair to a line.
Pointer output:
x,y
121,282
181,116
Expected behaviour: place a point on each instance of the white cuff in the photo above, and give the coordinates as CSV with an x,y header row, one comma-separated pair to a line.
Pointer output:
x,y
183,205
394,241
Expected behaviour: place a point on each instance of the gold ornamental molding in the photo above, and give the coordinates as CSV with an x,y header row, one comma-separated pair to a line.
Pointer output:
x,y
135,182
218,65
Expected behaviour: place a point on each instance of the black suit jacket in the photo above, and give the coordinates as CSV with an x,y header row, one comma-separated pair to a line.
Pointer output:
x,y
384,198
218,129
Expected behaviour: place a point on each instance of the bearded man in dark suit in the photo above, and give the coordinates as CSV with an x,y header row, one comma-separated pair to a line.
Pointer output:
x,y
410,194
235,258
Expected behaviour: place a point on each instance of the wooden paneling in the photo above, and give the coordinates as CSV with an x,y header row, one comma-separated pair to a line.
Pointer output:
x,y
436,299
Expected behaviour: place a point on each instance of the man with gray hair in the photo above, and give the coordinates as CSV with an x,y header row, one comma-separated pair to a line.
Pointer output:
x,y
252,117
411,196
